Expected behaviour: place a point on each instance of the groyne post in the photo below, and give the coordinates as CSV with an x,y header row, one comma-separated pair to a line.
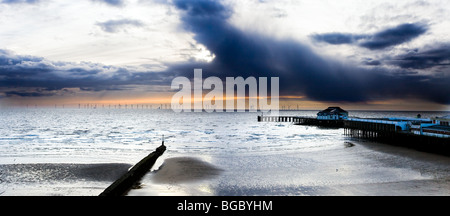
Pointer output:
x,y
124,183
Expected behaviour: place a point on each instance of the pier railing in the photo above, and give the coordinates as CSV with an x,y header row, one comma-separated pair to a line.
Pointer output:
x,y
370,129
302,120
294,119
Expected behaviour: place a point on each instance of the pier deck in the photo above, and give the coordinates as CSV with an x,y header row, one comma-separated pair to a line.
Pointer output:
x,y
390,131
302,120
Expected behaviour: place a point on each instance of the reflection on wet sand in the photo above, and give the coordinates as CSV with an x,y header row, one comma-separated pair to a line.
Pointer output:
x,y
179,176
57,172
184,169
48,179
356,168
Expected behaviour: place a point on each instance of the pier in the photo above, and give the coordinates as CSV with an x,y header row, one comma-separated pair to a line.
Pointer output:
x,y
370,128
295,119
397,132
417,133
298,120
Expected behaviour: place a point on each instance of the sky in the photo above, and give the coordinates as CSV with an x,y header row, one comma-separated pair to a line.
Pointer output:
x,y
371,54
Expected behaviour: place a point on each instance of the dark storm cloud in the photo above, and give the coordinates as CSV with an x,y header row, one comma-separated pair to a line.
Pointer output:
x,y
394,36
424,59
116,3
380,40
338,38
301,71
371,62
27,94
113,26
40,77
239,53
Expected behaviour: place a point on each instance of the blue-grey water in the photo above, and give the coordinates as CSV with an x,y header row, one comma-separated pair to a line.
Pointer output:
x,y
48,151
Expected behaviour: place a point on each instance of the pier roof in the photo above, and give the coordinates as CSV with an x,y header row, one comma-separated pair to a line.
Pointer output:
x,y
332,110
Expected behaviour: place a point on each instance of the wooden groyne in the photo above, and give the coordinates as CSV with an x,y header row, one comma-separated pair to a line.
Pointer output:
x,y
122,185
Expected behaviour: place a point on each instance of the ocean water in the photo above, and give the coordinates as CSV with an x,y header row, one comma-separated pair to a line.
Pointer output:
x,y
48,151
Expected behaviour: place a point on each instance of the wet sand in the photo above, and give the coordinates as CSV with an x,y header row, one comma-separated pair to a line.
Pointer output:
x,y
357,168
178,176
58,179
433,187
184,169
353,168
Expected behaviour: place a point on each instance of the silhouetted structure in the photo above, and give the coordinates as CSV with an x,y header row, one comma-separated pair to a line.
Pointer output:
x,y
332,113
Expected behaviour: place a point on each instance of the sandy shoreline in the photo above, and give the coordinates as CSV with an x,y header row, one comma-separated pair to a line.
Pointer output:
x,y
58,179
355,169
184,169
432,187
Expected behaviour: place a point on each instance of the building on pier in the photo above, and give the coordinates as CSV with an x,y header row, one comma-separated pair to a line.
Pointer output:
x,y
438,127
332,113
444,121
437,131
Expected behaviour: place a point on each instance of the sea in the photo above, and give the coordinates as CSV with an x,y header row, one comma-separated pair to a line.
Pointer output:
x,y
80,152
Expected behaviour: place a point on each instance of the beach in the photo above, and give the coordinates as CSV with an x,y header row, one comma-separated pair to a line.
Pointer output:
x,y
373,170
58,179
49,152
